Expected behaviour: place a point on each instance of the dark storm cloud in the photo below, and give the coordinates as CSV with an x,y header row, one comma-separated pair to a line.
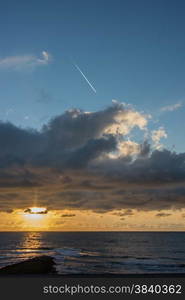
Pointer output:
x,y
18,145
144,149
75,127
69,162
66,140
160,167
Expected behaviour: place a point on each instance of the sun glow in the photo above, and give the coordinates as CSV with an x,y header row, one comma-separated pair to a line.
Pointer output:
x,y
35,213
34,216
36,210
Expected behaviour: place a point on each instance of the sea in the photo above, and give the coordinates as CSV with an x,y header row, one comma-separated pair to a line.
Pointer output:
x,y
98,252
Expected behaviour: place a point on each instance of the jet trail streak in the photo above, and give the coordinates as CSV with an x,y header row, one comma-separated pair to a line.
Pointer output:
x,y
77,67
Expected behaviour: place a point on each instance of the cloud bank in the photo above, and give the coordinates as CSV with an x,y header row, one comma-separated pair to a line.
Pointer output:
x,y
87,161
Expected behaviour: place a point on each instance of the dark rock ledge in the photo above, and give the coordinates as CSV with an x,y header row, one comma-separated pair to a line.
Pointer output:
x,y
36,265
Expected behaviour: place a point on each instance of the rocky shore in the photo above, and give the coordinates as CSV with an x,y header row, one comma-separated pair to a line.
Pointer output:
x,y
36,265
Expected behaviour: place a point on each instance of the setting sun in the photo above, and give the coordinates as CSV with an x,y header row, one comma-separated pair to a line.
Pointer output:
x,y
38,210
35,213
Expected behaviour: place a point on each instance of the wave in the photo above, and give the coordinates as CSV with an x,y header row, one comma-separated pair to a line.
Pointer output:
x,y
71,260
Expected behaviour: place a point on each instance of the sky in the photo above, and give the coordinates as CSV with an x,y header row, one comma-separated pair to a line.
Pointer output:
x,y
92,101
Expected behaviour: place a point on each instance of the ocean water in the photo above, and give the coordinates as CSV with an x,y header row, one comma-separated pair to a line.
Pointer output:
x,y
99,252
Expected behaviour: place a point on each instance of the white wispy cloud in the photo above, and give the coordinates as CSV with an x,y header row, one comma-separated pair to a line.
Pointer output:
x,y
24,61
171,107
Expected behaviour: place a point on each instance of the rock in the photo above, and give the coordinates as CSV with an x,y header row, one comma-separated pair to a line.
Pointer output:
x,y
36,265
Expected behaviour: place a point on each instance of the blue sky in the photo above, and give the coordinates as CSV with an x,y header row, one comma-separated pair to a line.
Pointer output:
x,y
132,51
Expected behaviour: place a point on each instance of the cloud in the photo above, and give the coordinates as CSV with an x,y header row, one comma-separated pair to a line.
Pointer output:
x,y
46,56
171,107
127,212
157,135
22,62
68,215
85,161
163,215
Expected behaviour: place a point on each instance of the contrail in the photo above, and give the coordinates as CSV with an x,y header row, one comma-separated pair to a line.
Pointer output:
x,y
94,90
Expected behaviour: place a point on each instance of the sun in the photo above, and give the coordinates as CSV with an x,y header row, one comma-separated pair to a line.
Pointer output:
x,y
38,210
36,218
